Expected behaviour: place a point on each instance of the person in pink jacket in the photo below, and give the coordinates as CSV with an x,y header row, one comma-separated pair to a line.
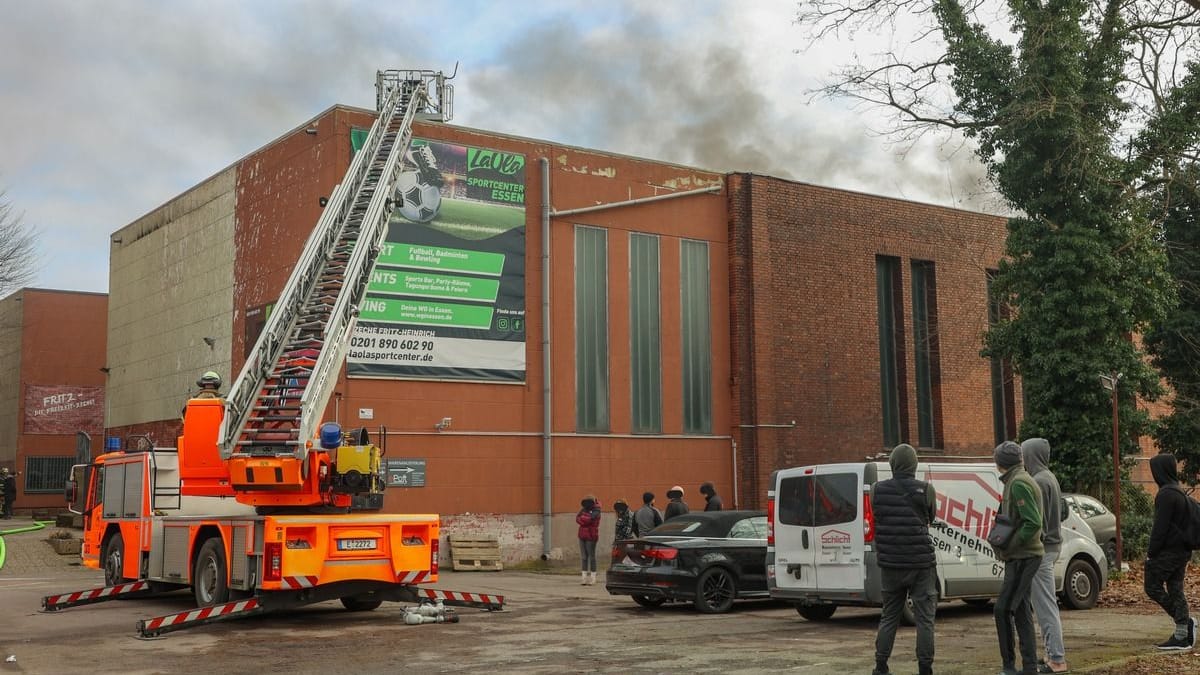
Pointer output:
x,y
589,532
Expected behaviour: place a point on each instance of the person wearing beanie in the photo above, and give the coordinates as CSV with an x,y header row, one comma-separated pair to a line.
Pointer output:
x,y
712,500
648,517
1036,455
624,525
589,533
1022,504
675,507
903,508
1167,556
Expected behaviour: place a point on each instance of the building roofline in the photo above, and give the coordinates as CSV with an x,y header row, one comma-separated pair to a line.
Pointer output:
x,y
59,291
903,200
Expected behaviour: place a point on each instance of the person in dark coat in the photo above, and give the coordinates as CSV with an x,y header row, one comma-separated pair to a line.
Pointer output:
x,y
588,519
904,507
1167,556
8,492
712,500
624,526
675,507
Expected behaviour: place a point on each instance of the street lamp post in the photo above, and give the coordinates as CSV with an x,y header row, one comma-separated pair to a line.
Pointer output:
x,y
1110,382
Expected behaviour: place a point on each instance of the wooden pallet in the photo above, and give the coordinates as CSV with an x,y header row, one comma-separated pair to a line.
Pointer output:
x,y
475,553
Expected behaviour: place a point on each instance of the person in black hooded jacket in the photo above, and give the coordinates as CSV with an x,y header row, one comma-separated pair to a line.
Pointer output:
x,y
904,507
1167,556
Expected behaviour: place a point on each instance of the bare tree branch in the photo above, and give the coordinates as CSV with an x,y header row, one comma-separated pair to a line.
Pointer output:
x,y
18,249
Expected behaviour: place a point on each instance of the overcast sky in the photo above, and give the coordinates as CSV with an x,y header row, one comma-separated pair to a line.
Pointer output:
x,y
112,108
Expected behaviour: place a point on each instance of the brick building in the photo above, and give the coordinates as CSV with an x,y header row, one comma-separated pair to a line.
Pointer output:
x,y
856,324
743,324
52,349
638,377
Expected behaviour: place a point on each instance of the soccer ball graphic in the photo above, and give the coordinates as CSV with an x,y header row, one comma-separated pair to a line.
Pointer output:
x,y
417,201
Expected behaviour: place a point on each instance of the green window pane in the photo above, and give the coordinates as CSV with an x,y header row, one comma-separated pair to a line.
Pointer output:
x,y
887,272
696,330
926,353
591,329
645,351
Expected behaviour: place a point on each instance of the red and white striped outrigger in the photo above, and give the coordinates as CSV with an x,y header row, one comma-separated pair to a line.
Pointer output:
x,y
303,593
53,603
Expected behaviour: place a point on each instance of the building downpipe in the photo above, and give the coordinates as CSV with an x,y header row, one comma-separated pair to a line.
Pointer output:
x,y
547,465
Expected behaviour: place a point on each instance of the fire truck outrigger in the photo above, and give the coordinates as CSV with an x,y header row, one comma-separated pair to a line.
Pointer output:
x,y
252,509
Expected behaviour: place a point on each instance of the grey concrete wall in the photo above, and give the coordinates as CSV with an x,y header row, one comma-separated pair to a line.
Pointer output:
x,y
170,286
11,321
520,535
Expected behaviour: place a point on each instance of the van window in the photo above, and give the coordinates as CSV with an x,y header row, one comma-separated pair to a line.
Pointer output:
x,y
826,499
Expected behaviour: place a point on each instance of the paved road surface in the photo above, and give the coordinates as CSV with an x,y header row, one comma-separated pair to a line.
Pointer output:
x,y
552,625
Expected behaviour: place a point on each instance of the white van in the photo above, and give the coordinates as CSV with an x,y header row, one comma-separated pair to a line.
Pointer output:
x,y
820,542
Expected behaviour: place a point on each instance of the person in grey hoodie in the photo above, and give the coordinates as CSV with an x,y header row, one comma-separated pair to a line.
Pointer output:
x,y
1036,453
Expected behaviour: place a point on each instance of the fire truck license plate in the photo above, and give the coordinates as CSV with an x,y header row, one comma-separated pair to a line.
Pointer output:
x,y
355,544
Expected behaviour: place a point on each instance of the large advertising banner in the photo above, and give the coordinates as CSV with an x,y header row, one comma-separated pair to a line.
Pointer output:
x,y
63,409
446,298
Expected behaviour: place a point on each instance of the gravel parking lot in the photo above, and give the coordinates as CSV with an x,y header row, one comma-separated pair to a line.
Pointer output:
x,y
551,625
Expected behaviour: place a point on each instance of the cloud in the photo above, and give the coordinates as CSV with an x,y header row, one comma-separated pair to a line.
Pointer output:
x,y
114,108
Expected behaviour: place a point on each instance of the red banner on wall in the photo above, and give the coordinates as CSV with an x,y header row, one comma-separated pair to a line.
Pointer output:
x,y
63,409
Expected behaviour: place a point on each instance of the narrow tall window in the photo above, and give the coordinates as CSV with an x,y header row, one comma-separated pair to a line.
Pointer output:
x,y
695,328
645,362
1004,414
928,357
591,329
890,308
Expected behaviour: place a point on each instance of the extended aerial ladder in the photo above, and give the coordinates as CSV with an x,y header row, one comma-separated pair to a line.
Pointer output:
x,y
287,537
274,406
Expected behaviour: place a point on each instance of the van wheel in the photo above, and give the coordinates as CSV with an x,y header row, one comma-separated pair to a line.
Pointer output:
x,y
715,591
210,581
356,603
647,601
816,612
1081,586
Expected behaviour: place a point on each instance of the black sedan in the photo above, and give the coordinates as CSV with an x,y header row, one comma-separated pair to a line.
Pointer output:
x,y
708,559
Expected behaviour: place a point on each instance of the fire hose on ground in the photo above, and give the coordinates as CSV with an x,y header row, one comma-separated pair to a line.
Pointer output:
x,y
37,525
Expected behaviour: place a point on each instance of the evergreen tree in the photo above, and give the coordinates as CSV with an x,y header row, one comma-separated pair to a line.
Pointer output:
x,y
1079,109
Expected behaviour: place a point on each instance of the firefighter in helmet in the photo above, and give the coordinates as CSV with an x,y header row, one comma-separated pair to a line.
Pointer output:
x,y
209,383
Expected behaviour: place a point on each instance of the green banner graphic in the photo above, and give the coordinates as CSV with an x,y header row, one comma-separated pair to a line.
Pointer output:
x,y
446,299
441,258
400,282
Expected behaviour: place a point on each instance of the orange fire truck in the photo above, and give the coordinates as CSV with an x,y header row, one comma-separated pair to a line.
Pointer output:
x,y
260,507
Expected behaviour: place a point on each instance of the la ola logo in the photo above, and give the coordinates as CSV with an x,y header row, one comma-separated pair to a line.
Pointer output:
x,y
835,537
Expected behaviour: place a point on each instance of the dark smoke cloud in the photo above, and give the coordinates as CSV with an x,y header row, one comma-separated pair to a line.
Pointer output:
x,y
639,89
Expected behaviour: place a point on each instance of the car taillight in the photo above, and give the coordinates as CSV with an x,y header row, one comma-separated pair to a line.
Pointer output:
x,y
868,519
661,553
273,561
433,556
617,553
770,521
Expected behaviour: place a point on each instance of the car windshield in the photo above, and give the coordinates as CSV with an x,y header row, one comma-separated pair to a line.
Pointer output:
x,y
1089,507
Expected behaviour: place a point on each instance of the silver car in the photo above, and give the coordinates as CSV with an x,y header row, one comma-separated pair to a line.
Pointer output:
x,y
1087,512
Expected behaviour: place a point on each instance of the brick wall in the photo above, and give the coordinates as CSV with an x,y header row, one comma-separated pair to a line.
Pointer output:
x,y
804,323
